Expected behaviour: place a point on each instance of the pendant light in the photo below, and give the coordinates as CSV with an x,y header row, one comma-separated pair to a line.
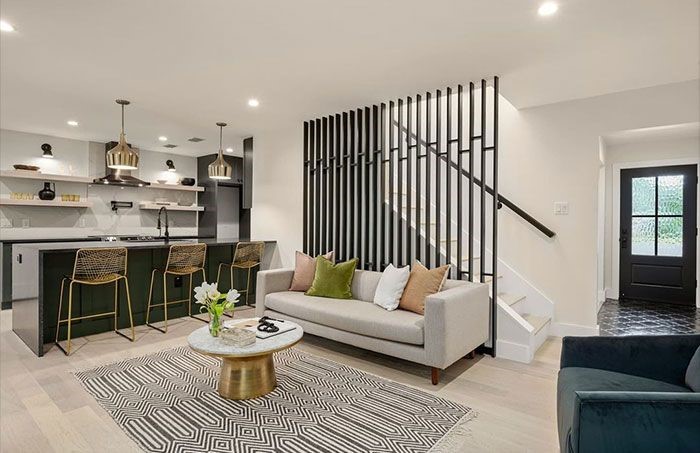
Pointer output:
x,y
122,157
220,169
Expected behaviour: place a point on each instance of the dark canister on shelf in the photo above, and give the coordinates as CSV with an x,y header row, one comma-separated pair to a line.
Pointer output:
x,y
47,193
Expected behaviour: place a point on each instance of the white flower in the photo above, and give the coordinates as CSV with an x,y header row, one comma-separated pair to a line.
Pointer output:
x,y
232,295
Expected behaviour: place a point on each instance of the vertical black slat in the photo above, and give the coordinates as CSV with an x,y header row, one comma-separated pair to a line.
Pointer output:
x,y
319,170
448,180
330,233
472,152
352,199
305,239
409,212
460,180
494,251
392,189
376,206
482,199
419,140
428,157
369,154
399,191
338,185
438,176
347,191
358,187
324,192
382,192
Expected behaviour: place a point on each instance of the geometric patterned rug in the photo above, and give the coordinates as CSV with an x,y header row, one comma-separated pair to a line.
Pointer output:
x,y
168,402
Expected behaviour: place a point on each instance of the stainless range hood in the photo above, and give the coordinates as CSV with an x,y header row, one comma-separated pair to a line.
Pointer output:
x,y
119,177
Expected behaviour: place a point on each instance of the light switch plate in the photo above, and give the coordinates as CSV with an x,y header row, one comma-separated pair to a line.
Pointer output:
x,y
561,208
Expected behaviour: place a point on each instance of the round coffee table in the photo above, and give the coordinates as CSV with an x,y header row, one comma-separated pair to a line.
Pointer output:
x,y
248,371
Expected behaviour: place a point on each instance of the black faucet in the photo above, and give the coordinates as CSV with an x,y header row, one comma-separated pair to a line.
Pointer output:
x,y
167,233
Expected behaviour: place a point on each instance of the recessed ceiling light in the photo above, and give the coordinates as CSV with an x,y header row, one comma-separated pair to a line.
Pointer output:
x,y
547,9
163,138
229,150
253,102
72,123
6,26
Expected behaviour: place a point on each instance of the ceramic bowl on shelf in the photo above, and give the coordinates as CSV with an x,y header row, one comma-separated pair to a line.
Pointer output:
x,y
187,181
161,181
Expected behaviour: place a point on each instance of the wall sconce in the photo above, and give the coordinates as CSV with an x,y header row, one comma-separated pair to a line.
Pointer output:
x,y
46,148
171,165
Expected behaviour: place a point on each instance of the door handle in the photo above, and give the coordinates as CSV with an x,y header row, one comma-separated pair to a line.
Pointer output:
x,y
19,258
623,239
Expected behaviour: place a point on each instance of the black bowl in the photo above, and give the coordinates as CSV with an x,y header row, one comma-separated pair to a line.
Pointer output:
x,y
187,181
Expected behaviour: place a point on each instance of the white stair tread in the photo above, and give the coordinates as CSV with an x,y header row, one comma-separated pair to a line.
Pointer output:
x,y
511,299
537,322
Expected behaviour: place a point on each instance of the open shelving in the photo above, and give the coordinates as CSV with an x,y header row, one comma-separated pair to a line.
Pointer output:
x,y
156,206
45,203
24,174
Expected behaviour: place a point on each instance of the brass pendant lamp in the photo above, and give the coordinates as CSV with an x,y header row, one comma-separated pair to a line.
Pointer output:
x,y
220,169
122,157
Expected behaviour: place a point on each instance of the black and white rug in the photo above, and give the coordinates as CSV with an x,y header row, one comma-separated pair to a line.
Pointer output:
x,y
167,402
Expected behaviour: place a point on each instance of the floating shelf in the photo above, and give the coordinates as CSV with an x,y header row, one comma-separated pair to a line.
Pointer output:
x,y
155,206
180,187
45,203
24,174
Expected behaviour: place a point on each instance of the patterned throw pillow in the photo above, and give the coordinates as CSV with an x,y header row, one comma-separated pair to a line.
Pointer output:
x,y
304,271
421,284
333,280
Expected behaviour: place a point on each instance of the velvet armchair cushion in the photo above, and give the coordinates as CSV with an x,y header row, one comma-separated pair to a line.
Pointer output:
x,y
692,374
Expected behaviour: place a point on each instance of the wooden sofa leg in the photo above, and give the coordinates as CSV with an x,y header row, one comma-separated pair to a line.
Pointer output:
x,y
435,375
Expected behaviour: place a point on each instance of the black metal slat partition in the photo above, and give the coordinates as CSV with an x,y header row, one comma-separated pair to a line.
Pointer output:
x,y
389,184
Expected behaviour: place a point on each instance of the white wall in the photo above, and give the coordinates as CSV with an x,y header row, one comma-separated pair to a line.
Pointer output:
x,y
82,158
548,154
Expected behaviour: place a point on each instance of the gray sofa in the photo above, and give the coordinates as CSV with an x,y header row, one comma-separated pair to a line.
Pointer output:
x,y
456,319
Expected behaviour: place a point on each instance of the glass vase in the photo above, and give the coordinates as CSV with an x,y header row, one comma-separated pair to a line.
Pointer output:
x,y
214,324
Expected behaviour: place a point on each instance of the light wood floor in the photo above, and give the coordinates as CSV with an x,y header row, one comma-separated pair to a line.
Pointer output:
x,y
44,409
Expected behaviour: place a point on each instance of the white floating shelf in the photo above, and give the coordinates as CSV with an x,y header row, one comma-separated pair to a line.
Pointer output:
x,y
180,187
25,174
156,206
45,203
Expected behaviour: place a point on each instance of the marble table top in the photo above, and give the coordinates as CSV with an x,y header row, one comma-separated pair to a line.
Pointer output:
x,y
201,341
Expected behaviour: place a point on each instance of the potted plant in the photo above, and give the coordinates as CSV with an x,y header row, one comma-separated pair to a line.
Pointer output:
x,y
215,303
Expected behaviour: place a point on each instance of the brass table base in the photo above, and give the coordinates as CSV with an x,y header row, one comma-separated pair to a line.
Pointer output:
x,y
244,378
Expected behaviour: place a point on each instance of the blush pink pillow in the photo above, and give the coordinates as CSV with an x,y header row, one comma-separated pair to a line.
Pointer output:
x,y
305,270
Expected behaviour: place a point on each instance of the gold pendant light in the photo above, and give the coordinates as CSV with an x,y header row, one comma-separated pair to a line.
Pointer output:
x,y
220,169
122,157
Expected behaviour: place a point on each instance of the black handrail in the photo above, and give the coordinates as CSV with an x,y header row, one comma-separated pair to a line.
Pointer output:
x,y
501,199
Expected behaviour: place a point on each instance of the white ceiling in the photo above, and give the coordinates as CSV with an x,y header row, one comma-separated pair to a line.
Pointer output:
x,y
654,134
187,64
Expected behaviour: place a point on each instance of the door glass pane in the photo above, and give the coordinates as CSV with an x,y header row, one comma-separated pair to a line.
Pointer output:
x,y
643,235
671,195
644,196
670,236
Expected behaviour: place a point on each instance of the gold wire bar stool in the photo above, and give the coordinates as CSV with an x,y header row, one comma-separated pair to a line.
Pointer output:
x,y
247,255
183,259
96,266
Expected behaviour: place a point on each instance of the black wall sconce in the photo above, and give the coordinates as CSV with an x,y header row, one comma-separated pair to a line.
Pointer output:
x,y
46,148
170,164
121,204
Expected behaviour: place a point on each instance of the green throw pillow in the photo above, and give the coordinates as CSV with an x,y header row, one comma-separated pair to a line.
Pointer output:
x,y
333,280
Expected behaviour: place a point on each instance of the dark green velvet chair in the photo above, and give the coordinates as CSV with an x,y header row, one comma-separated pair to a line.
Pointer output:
x,y
628,394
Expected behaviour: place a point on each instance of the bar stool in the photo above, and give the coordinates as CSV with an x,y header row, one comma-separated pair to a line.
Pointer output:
x,y
183,259
96,266
247,255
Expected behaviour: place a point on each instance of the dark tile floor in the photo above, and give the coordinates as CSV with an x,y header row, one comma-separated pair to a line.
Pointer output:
x,y
647,318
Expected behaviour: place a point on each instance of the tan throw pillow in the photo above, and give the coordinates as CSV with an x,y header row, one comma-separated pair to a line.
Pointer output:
x,y
305,270
421,284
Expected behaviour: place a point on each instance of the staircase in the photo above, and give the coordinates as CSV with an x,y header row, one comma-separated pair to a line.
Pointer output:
x,y
524,313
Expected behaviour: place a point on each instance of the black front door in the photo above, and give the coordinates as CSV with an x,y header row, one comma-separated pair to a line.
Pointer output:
x,y
658,220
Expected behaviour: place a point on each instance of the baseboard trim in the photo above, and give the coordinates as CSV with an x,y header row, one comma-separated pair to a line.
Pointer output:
x,y
559,329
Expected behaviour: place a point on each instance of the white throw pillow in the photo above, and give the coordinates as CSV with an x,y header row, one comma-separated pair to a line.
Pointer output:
x,y
390,287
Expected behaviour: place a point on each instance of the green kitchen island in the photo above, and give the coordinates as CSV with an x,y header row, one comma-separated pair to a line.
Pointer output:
x,y
39,267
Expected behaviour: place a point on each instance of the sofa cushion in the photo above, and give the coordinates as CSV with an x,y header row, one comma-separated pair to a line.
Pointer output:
x,y
350,315
333,280
692,374
422,283
573,379
305,270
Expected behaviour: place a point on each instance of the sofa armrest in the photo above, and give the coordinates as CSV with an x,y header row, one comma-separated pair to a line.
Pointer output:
x,y
271,281
660,357
635,421
456,322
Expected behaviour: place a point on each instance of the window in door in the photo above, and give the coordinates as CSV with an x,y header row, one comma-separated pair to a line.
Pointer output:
x,y
657,215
